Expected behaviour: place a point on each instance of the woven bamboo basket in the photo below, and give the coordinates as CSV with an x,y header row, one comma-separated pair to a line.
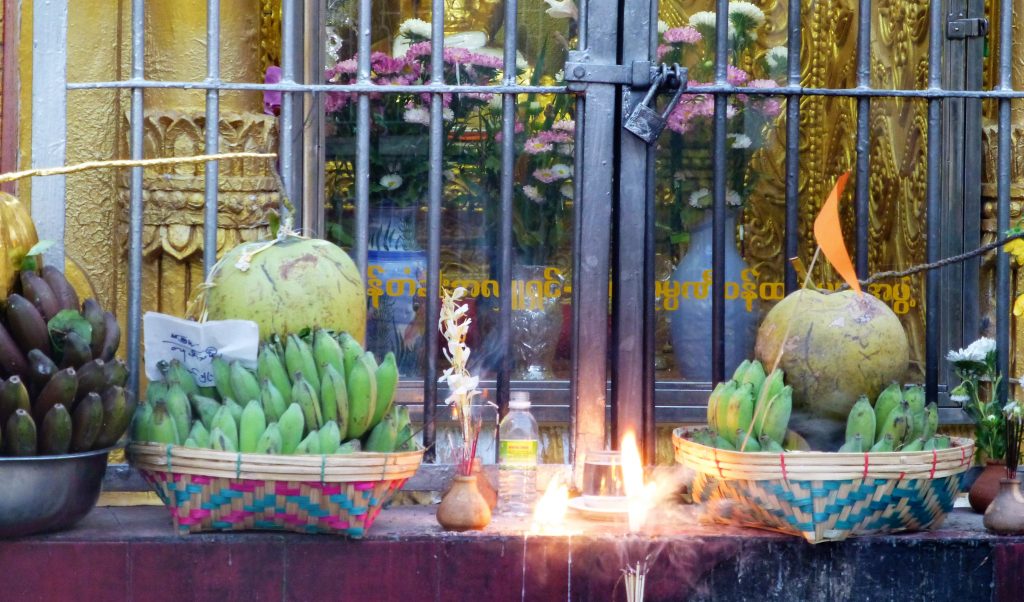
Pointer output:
x,y
826,496
225,491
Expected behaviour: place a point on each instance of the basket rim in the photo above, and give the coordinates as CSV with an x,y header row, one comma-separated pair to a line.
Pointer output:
x,y
824,466
327,468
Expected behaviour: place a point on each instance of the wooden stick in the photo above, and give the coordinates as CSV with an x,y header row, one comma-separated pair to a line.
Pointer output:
x,y
66,169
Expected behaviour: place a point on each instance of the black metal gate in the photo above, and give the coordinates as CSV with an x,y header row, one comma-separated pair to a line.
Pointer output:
x,y
614,214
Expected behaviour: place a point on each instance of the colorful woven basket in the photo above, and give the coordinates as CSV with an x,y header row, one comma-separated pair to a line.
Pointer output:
x,y
224,491
826,496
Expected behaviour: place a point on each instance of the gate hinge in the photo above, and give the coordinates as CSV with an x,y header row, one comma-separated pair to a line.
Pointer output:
x,y
960,28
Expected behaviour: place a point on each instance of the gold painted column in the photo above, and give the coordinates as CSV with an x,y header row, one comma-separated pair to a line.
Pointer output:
x,y
175,125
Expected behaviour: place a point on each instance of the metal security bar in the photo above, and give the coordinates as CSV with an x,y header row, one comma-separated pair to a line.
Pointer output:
x,y
613,215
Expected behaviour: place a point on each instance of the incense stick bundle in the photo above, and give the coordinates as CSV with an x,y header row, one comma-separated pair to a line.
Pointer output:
x,y
1013,444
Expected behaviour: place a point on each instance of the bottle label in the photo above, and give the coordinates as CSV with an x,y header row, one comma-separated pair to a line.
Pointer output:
x,y
520,453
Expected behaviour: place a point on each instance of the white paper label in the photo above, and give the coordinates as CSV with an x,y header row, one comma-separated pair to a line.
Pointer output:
x,y
195,344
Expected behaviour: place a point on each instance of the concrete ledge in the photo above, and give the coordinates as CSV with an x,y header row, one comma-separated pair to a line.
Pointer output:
x,y
132,554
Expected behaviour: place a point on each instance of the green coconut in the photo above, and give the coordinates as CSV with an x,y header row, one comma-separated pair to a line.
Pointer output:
x,y
838,346
292,284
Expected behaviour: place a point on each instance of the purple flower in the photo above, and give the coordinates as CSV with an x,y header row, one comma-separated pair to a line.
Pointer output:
x,y
518,129
346,67
335,101
418,49
682,35
554,137
383,64
771,107
535,146
272,98
565,125
463,56
737,76
546,175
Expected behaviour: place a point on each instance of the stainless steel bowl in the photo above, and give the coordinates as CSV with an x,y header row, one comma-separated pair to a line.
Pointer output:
x,y
48,493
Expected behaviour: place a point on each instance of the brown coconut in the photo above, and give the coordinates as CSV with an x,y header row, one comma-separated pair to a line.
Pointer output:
x,y
838,346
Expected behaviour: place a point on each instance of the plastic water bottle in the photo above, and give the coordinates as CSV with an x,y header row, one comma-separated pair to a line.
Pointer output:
x,y
517,457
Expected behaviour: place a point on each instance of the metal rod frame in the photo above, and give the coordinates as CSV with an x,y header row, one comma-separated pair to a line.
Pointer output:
x,y
609,34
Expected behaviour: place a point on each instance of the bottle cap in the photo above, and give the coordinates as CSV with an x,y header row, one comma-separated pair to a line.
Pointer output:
x,y
520,400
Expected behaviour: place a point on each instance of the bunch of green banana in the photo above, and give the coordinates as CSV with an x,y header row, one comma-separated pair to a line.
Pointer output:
x,y
61,390
749,412
313,394
899,421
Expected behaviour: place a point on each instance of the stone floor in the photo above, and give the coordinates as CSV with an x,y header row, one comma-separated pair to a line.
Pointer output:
x,y
132,553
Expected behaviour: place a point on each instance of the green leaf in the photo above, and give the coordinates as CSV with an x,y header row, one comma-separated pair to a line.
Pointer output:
x,y
275,223
680,238
31,263
40,247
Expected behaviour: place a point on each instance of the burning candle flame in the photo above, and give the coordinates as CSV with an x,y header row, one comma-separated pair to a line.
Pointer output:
x,y
638,495
549,514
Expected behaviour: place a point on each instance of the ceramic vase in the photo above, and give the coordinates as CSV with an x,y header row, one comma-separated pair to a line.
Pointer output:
x,y
1005,515
536,320
691,321
396,265
483,484
985,488
463,508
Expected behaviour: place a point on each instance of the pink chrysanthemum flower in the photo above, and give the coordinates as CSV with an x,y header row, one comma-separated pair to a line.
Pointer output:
x,y
682,35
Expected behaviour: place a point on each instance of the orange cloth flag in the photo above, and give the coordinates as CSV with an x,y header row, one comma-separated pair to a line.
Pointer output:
x,y
828,233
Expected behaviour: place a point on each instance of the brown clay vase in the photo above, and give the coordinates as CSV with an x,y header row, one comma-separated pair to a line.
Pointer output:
x,y
986,486
1005,515
463,508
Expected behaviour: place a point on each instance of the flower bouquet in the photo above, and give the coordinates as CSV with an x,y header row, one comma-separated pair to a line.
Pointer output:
x,y
975,366
685,156
399,123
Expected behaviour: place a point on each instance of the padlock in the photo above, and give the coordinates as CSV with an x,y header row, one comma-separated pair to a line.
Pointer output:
x,y
646,123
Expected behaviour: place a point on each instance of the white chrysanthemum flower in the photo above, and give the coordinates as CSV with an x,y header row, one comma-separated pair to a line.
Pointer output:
x,y
391,181
747,10
777,56
662,26
565,149
976,352
740,140
706,21
704,18
532,193
958,355
566,189
700,198
418,115
415,27
561,170
733,198
979,350
447,114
